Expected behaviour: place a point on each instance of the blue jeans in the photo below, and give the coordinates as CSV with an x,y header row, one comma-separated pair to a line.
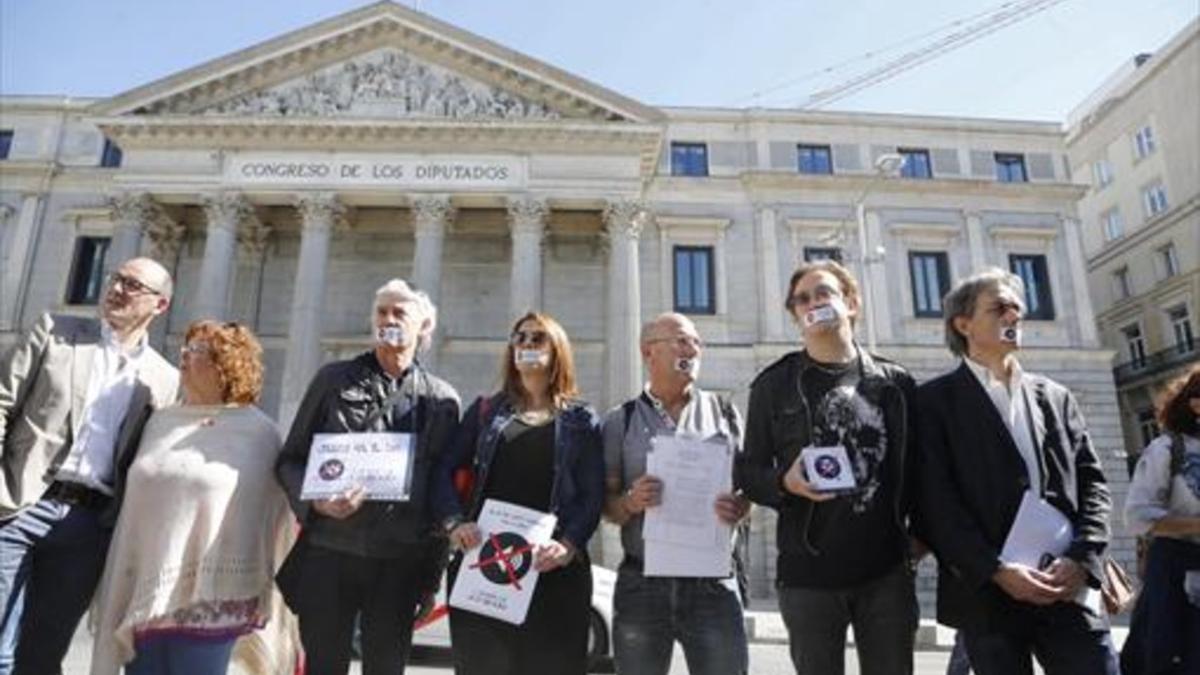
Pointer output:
x,y
51,556
1058,635
704,615
884,615
181,655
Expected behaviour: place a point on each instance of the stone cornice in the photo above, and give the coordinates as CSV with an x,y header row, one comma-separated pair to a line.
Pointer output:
x,y
789,180
378,25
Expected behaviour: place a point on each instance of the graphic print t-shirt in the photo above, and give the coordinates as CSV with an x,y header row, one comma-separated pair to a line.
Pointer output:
x,y
853,537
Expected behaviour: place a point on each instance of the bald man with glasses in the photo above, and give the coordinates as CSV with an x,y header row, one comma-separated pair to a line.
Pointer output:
x,y
75,393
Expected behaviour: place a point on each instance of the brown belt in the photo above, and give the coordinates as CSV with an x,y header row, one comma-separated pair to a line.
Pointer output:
x,y
77,494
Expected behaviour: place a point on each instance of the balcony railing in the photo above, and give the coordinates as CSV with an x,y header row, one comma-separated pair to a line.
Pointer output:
x,y
1156,363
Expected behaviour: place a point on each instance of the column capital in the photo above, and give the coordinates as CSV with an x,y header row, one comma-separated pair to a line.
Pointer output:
x,y
253,235
321,211
226,209
431,213
132,209
625,217
165,235
527,214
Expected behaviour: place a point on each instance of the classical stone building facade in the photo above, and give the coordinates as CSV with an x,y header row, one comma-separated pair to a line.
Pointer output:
x,y
285,182
1136,141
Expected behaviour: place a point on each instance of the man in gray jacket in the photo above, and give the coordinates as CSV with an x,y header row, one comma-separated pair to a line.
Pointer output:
x,y
74,395
358,555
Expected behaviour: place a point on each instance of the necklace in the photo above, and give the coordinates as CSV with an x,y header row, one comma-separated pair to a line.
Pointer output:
x,y
536,418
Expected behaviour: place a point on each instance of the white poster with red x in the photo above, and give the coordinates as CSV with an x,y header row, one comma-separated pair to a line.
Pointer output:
x,y
497,577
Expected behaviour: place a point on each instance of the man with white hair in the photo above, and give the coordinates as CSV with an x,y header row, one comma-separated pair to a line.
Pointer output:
x,y
75,393
357,555
996,440
651,613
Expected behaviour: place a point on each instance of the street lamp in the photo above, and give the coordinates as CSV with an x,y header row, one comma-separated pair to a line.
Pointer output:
x,y
887,164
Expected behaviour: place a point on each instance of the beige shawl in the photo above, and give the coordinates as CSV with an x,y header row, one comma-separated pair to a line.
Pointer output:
x,y
203,520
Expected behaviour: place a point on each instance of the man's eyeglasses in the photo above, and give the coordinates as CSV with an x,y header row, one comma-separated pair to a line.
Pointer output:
x,y
195,348
681,341
536,338
131,285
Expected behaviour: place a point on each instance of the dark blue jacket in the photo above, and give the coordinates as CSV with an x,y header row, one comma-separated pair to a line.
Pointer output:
x,y
577,495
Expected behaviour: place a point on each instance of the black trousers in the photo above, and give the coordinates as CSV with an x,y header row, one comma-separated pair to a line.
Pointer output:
x,y
553,639
334,588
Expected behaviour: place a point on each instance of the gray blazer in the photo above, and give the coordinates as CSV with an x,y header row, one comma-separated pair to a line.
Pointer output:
x,y
43,387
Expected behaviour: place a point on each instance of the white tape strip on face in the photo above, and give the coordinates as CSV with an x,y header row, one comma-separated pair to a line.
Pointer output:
x,y
688,366
530,356
1010,334
393,336
823,314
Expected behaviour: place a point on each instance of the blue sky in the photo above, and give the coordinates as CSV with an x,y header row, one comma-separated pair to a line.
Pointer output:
x,y
661,52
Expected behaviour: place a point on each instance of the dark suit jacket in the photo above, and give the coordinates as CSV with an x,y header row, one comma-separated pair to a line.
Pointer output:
x,y
972,481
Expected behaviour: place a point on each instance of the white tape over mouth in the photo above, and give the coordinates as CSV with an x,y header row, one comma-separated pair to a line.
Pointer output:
x,y
1011,334
393,336
532,356
822,314
689,366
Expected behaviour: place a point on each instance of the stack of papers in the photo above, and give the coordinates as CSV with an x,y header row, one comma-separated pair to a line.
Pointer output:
x,y
683,536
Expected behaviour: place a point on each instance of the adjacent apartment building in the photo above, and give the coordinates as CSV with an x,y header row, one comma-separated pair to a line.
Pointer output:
x,y
1136,143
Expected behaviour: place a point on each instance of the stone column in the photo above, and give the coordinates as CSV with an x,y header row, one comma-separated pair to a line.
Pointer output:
x,y
18,257
527,221
974,222
319,213
770,291
224,213
253,237
132,212
1072,238
624,221
430,216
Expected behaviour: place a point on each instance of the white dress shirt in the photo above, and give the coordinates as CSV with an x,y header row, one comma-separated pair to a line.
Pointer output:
x,y
111,382
1013,405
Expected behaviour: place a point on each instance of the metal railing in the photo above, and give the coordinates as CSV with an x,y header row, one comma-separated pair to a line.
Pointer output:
x,y
1153,364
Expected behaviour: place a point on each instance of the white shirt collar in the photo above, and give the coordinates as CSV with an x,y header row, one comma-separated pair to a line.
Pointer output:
x,y
988,379
109,339
659,405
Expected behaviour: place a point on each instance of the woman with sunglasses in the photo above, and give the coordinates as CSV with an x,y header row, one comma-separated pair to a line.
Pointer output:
x,y
536,445
190,571
1163,504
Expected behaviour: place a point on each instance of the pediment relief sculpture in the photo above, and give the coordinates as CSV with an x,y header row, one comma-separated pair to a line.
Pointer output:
x,y
384,84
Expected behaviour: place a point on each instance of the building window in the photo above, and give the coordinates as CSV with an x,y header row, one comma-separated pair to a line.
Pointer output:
x,y
1010,168
1154,199
1102,173
695,280
1135,344
1147,426
1039,303
1181,327
916,163
689,159
1122,287
930,281
87,271
1170,260
6,138
814,159
110,157
1114,225
1143,142
815,253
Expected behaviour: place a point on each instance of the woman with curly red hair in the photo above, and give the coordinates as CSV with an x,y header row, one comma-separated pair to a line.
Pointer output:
x,y
190,571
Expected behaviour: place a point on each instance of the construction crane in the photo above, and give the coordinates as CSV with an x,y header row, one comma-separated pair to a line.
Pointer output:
x,y
1005,15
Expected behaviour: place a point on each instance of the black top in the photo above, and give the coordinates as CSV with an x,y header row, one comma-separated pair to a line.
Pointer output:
x,y
523,471
851,538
